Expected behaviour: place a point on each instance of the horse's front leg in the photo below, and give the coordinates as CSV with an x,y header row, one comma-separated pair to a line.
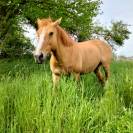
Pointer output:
x,y
56,71
56,78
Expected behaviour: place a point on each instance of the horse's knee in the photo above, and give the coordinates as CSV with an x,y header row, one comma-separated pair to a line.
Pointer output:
x,y
56,72
99,75
56,78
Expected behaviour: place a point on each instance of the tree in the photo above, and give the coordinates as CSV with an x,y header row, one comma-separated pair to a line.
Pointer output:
x,y
12,40
116,34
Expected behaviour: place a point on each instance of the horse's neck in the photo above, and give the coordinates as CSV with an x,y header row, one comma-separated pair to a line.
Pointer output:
x,y
65,47
64,54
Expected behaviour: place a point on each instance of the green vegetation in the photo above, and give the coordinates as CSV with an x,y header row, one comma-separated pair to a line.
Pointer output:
x,y
116,34
29,104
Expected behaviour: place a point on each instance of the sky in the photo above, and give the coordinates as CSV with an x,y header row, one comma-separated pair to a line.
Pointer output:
x,y
113,10
119,10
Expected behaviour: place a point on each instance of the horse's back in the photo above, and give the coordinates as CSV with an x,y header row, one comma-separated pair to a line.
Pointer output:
x,y
104,49
88,55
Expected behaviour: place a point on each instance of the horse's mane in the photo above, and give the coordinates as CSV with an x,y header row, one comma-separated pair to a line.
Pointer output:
x,y
64,37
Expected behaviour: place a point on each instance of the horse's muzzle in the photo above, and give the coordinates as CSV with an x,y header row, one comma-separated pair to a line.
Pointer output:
x,y
39,58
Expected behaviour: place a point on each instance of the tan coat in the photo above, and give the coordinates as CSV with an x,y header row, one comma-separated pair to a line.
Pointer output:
x,y
68,56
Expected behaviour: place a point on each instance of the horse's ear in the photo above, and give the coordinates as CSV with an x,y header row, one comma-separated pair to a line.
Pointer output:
x,y
49,18
57,22
36,25
38,22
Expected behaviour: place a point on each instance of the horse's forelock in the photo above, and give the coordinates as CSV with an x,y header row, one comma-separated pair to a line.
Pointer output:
x,y
44,22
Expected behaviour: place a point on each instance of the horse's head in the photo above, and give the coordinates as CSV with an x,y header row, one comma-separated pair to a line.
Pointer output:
x,y
47,38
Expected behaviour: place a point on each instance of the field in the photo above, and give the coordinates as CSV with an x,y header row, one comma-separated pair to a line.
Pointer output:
x,y
28,104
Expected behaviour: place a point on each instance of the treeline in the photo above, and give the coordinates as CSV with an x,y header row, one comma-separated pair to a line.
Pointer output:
x,y
78,16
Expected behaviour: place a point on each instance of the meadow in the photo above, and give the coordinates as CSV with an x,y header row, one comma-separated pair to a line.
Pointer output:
x,y
28,103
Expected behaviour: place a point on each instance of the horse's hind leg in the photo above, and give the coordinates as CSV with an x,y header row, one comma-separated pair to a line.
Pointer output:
x,y
107,71
99,74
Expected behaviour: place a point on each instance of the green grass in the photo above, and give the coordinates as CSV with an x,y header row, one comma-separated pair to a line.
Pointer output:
x,y
28,103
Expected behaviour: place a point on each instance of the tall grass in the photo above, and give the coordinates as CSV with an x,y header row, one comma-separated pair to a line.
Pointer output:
x,y
28,102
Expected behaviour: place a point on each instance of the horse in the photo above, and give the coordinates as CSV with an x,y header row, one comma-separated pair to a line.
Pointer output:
x,y
69,56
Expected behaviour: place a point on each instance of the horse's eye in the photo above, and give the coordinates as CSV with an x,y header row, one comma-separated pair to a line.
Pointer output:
x,y
51,33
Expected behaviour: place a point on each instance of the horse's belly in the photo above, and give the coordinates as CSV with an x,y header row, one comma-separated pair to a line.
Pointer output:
x,y
89,68
85,66
90,61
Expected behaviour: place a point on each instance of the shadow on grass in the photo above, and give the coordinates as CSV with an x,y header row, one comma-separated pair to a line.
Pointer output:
x,y
92,88
87,87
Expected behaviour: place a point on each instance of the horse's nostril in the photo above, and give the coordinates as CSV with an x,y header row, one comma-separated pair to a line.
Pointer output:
x,y
39,58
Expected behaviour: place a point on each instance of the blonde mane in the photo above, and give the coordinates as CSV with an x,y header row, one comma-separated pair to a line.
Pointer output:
x,y
64,37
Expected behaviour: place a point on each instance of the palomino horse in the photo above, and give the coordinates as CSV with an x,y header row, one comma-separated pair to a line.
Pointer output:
x,y
68,56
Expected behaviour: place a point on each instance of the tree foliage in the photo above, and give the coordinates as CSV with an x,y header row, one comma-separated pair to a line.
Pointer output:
x,y
119,32
12,40
116,34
